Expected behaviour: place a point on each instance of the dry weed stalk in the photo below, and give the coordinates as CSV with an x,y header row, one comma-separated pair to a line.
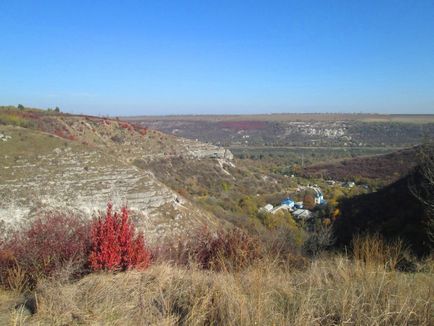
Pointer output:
x,y
333,290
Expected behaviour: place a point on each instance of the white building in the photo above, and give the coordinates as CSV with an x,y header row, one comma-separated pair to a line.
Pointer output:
x,y
302,214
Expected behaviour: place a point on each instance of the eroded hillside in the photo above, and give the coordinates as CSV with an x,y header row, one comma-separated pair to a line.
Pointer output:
x,y
54,161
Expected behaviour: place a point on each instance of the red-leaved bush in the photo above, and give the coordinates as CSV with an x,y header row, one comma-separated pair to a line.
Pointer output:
x,y
220,250
115,246
50,243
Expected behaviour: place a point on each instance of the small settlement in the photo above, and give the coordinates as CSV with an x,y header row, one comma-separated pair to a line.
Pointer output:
x,y
296,208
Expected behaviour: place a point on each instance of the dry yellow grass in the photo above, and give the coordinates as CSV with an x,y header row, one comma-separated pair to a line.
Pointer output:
x,y
8,314
332,291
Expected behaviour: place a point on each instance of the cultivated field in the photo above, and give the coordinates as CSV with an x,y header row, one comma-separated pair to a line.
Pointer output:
x,y
299,130
410,118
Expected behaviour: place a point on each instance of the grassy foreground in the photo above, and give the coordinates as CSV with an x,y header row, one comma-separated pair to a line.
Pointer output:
x,y
331,290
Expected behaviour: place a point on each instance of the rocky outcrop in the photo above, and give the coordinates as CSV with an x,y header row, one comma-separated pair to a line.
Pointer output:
x,y
81,180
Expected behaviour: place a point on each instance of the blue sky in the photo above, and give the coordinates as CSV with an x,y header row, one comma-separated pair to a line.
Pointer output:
x,y
175,57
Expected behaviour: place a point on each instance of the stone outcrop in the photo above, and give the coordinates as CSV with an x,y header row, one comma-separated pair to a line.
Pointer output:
x,y
82,179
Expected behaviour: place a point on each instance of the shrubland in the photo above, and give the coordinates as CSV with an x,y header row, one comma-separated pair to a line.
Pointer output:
x,y
50,243
227,276
233,193
328,290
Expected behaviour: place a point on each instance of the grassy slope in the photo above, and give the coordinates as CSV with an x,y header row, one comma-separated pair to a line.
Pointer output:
x,y
27,143
329,291
118,136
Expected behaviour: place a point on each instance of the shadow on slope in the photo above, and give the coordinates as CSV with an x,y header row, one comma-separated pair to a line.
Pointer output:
x,y
394,212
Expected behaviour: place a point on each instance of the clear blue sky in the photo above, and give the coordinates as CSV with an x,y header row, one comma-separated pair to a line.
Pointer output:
x,y
164,57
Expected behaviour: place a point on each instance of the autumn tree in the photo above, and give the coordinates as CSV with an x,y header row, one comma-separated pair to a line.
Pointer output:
x,y
309,201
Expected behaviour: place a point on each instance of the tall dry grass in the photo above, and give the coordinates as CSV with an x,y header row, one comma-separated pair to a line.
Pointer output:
x,y
332,290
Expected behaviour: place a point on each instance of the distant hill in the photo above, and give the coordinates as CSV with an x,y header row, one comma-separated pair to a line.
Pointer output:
x,y
313,130
387,167
392,212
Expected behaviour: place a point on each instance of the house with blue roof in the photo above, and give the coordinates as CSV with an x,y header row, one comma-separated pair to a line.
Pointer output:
x,y
287,202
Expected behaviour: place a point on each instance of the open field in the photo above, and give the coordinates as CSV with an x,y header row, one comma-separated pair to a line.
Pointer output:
x,y
298,130
406,118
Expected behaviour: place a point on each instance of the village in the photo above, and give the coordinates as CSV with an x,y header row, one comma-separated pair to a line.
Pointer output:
x,y
298,209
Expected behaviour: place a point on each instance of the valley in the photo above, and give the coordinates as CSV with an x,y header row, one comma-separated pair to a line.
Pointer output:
x,y
274,205
198,163
54,161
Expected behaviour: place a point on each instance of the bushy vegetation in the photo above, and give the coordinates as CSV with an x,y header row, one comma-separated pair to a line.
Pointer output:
x,y
14,118
223,276
50,243
57,241
235,196
115,246
376,169
229,250
290,160
331,290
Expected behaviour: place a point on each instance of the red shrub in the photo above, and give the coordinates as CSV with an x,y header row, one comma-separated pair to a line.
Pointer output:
x,y
7,261
31,115
222,250
143,131
59,133
114,245
233,249
125,125
50,243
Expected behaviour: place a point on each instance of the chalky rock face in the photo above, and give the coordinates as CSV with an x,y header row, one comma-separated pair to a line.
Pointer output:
x,y
41,172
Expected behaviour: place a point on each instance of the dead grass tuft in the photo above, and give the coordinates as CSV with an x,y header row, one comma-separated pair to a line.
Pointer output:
x,y
333,290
